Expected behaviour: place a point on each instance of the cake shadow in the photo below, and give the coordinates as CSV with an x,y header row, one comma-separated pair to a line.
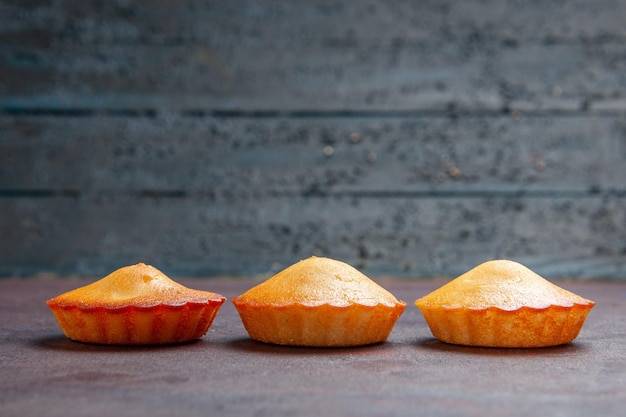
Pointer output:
x,y
62,343
249,345
433,344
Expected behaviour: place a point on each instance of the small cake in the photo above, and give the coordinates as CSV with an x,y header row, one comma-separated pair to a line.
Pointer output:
x,y
135,305
319,302
504,304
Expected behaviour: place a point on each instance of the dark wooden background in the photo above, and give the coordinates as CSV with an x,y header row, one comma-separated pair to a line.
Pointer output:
x,y
408,138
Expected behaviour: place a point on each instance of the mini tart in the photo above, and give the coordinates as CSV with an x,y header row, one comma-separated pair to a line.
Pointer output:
x,y
135,305
504,304
319,302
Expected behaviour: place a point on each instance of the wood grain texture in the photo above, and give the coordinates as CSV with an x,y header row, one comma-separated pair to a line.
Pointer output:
x,y
324,55
406,138
314,155
258,234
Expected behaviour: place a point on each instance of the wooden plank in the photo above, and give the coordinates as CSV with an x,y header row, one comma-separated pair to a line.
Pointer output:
x,y
170,153
231,137
573,237
166,22
368,76
283,57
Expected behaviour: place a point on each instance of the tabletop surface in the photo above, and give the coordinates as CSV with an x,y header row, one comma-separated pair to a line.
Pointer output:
x,y
226,373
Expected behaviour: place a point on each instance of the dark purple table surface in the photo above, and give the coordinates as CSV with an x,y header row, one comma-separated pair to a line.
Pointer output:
x,y
227,374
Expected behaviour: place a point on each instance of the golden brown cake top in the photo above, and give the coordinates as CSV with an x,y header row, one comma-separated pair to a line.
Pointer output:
x,y
316,281
139,285
502,284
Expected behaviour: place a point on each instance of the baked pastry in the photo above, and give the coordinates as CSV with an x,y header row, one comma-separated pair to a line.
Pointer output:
x,y
135,305
504,304
319,302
